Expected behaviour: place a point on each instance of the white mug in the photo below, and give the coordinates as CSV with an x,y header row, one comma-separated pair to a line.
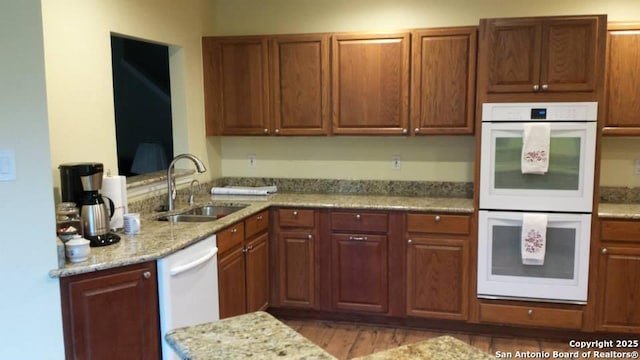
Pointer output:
x,y
131,223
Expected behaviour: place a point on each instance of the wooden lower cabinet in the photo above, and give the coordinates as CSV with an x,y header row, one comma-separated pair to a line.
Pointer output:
x,y
437,273
533,315
360,272
231,283
243,266
297,269
297,258
619,277
112,314
257,273
437,265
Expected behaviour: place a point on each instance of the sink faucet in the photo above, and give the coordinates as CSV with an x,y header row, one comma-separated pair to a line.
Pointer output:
x,y
171,185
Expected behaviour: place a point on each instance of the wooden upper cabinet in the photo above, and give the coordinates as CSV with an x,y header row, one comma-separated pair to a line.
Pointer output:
x,y
623,80
543,55
300,84
443,82
370,83
236,85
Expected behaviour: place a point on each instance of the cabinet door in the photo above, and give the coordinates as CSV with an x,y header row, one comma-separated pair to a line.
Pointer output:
x,y
257,261
619,289
236,85
569,54
510,53
300,84
437,278
623,79
360,272
112,314
370,83
443,81
231,284
296,269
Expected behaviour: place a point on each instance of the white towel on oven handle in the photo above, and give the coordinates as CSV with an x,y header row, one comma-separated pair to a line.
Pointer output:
x,y
535,148
534,238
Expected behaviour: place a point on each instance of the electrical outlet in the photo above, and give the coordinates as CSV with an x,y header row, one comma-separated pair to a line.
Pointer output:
x,y
637,167
252,161
395,162
7,165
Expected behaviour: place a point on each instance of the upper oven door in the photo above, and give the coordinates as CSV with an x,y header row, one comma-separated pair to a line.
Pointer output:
x,y
566,187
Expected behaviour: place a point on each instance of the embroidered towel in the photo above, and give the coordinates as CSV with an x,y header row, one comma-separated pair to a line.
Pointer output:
x,y
534,238
535,148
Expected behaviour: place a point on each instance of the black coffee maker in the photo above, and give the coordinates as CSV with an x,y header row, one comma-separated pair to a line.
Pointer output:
x,y
81,183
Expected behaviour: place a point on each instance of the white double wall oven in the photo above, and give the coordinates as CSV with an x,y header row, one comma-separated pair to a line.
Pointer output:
x,y
564,193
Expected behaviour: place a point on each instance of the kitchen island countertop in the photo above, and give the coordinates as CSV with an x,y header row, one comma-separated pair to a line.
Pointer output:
x,y
259,335
158,239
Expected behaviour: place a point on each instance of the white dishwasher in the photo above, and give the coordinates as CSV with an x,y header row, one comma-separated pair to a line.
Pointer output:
x,y
188,289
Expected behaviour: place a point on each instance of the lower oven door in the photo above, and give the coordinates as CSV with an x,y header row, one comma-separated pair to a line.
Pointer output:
x,y
565,273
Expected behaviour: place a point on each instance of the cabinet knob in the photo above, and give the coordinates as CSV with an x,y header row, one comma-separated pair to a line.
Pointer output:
x,y
259,217
295,213
244,250
437,218
358,216
409,241
530,312
404,131
234,230
605,251
545,87
309,236
536,87
266,131
277,131
249,247
146,275
416,130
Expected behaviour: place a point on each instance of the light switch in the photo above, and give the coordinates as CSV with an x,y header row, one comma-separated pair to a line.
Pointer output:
x,y
7,165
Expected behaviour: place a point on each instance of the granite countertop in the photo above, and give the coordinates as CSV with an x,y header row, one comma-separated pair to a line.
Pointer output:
x,y
255,335
259,335
158,239
620,211
440,348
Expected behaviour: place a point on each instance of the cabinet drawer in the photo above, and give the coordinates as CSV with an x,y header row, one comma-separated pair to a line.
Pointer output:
x,y
359,221
297,218
439,223
531,316
619,230
230,237
255,224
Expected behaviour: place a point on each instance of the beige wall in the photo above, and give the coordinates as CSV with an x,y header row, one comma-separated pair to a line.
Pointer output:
x,y
79,79
30,311
428,158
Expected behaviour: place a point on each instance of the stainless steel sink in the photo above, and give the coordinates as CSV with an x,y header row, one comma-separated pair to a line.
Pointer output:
x,y
203,213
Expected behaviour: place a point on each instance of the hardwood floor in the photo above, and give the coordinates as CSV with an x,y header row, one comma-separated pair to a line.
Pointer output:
x,y
349,340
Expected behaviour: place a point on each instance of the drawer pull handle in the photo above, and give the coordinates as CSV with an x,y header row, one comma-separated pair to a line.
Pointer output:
x,y
259,217
358,216
437,218
409,241
234,230
146,274
295,213
605,251
309,236
358,238
530,312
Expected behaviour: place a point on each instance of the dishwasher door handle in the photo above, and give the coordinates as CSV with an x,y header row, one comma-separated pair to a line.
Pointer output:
x,y
197,262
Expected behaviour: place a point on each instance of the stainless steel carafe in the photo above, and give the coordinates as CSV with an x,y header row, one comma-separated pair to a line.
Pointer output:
x,y
95,210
